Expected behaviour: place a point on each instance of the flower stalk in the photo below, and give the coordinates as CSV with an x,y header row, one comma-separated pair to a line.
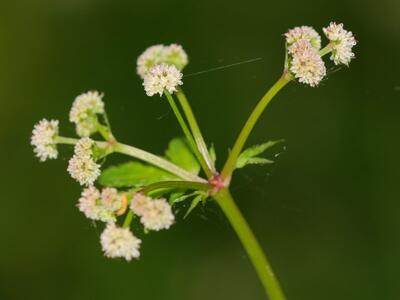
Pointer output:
x,y
142,155
230,164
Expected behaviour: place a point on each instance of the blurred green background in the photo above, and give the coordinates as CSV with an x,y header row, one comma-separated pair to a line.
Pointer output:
x,y
327,212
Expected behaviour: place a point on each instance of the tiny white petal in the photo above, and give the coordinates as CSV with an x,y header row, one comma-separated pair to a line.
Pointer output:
x,y
149,58
342,42
304,33
160,78
82,166
43,139
90,204
155,214
83,112
119,242
110,199
306,64
174,54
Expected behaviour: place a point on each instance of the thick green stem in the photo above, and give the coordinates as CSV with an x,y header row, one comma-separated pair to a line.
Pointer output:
x,y
251,245
249,125
188,134
198,137
141,155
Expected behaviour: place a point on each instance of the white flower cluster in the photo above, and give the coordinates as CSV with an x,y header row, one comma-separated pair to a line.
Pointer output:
x,y
304,43
43,139
304,33
158,54
84,112
82,166
155,214
119,242
342,42
160,78
306,64
102,206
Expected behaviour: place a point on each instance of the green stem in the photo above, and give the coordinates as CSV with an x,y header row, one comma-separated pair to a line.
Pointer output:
x,y
188,134
142,155
198,137
156,161
327,49
251,245
249,125
128,219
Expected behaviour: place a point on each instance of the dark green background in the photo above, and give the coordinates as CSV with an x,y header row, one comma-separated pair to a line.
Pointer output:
x,y
327,212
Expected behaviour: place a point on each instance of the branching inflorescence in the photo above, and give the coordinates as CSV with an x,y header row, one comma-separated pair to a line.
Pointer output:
x,y
149,187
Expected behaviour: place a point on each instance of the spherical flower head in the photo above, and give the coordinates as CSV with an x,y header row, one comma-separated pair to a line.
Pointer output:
x,y
82,166
43,139
84,110
87,203
119,242
306,63
174,54
149,58
110,199
342,42
90,204
139,204
158,54
157,215
162,78
304,33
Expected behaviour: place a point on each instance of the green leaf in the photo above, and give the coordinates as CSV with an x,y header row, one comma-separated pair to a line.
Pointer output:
x,y
249,156
193,205
182,197
180,154
213,155
133,174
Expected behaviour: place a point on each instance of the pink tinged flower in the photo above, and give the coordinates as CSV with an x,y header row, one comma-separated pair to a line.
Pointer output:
x,y
43,139
306,64
304,33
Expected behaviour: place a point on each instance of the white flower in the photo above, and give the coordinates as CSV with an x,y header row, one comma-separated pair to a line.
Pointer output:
x,y
306,64
160,78
84,110
175,55
304,33
158,54
82,166
87,203
110,199
90,204
43,139
158,215
139,203
119,242
342,42
149,58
